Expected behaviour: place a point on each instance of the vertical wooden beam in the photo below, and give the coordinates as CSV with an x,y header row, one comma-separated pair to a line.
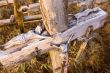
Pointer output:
x,y
81,50
92,4
18,15
55,19
54,15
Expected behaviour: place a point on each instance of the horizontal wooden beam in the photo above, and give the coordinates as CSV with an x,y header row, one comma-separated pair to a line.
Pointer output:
x,y
5,2
4,22
32,7
25,53
26,20
33,17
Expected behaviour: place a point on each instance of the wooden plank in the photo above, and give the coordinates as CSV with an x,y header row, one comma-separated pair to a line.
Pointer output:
x,y
54,15
35,6
32,7
25,53
4,22
33,17
81,50
3,3
55,19
26,19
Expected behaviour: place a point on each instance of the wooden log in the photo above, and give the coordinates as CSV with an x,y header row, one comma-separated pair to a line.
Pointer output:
x,y
81,50
33,17
4,22
31,7
25,53
5,3
55,19
35,6
26,19
52,14
18,47
33,21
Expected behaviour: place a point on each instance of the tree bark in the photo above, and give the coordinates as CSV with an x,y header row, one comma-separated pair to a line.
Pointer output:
x,y
55,19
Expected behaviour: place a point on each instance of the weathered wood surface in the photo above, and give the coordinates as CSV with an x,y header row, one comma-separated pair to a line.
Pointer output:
x,y
55,18
52,13
5,3
32,7
4,22
81,50
26,51
18,15
33,17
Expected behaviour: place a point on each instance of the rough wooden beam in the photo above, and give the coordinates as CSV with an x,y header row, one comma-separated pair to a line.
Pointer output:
x,y
33,21
18,15
4,22
55,19
5,3
25,53
26,19
53,14
18,47
35,6
32,7
81,50
33,17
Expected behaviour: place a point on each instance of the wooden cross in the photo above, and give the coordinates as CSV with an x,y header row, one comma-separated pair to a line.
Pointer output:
x,y
56,22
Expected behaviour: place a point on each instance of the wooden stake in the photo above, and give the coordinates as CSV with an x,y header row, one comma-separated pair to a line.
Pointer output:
x,y
18,15
54,14
84,44
81,50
